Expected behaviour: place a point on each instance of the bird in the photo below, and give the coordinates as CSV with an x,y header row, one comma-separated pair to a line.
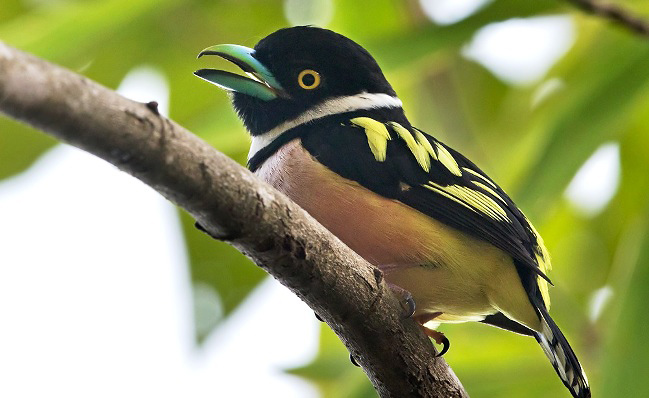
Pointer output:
x,y
329,131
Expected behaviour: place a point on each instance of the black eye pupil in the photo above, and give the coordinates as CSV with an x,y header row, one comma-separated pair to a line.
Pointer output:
x,y
308,79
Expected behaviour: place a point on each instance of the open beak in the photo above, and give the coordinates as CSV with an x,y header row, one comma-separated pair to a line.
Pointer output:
x,y
261,84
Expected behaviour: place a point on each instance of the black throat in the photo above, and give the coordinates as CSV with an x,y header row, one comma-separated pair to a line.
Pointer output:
x,y
320,126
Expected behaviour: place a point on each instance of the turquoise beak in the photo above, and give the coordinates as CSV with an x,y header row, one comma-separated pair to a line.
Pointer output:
x,y
262,85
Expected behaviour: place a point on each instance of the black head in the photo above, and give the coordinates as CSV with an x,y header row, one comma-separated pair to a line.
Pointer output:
x,y
296,69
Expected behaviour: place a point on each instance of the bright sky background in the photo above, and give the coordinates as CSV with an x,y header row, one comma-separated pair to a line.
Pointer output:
x,y
95,296
521,50
446,12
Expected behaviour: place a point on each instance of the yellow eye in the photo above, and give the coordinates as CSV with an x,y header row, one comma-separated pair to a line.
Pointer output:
x,y
308,79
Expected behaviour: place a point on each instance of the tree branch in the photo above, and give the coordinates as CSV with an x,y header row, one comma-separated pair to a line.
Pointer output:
x,y
233,205
615,14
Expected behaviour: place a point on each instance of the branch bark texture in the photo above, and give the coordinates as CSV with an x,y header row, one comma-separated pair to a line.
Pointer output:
x,y
234,206
615,14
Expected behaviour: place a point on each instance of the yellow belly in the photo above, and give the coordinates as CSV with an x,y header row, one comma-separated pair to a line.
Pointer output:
x,y
444,269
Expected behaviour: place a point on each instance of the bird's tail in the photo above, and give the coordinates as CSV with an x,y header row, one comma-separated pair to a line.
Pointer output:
x,y
562,356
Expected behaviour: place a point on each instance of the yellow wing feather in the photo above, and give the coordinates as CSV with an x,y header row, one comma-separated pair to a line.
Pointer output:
x,y
447,159
418,150
477,201
377,136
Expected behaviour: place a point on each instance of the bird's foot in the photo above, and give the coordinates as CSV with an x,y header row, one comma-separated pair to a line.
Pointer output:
x,y
407,302
434,334
439,339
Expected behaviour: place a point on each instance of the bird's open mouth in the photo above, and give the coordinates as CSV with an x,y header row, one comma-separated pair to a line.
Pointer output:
x,y
260,84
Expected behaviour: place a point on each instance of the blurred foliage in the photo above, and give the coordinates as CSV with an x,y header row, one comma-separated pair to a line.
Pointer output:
x,y
533,150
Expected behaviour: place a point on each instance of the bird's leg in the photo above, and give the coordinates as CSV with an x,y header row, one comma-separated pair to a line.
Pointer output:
x,y
434,334
407,302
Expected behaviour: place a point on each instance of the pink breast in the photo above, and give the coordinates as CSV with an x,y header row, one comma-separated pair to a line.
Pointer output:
x,y
383,231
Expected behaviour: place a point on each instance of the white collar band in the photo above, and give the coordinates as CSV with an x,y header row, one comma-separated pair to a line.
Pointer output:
x,y
329,107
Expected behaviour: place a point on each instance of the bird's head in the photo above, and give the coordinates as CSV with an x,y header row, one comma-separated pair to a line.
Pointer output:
x,y
296,71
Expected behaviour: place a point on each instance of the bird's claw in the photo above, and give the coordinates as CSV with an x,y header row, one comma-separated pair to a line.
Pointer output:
x,y
439,337
226,237
407,301
446,344
410,306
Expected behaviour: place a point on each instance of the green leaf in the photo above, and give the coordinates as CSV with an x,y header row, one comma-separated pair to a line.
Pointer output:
x,y
20,146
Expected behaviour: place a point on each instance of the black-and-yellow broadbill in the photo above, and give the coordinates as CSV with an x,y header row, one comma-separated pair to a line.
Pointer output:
x,y
329,131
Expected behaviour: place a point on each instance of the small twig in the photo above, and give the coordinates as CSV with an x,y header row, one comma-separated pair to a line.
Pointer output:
x,y
615,14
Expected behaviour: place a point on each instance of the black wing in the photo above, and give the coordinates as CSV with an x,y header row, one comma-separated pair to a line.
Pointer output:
x,y
403,163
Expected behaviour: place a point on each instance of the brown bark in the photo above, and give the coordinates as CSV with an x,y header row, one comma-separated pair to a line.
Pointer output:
x,y
234,206
614,13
